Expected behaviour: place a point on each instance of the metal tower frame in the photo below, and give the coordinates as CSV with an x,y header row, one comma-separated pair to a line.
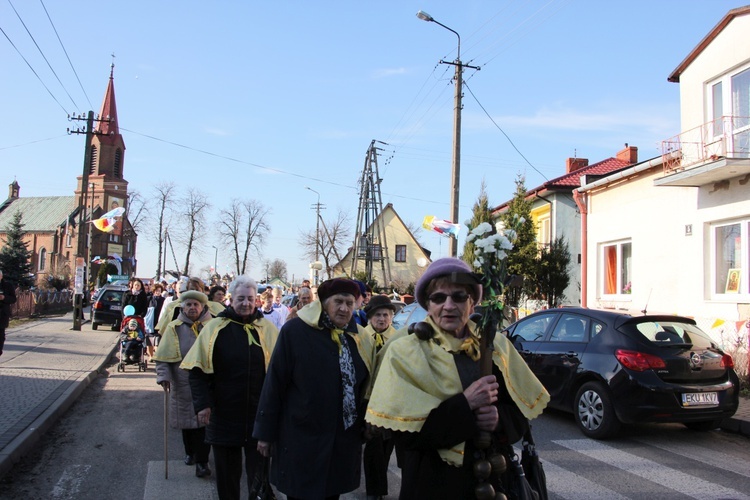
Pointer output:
x,y
370,243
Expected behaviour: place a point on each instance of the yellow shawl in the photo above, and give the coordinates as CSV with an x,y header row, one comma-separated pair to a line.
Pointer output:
x,y
415,376
310,314
165,317
202,353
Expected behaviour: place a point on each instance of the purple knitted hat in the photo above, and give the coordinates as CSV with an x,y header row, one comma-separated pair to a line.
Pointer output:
x,y
457,270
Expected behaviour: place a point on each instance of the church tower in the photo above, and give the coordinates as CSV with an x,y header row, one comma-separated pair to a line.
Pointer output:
x,y
107,187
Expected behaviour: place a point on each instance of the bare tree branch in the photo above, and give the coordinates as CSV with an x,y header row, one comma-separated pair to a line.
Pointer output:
x,y
136,210
193,214
335,237
243,226
163,197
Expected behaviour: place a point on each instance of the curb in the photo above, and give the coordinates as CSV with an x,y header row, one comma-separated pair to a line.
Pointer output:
x,y
736,426
29,437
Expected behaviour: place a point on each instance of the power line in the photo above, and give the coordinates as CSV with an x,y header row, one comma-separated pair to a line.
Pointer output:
x,y
42,53
32,142
501,130
91,106
33,71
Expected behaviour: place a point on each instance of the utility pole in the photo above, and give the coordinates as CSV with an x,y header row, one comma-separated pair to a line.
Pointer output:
x,y
456,164
318,242
88,130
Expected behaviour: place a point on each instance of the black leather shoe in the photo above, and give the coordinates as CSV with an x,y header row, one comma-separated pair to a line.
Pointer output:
x,y
202,470
189,460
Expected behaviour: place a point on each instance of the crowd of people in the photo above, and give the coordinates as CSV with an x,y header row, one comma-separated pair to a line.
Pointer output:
x,y
326,389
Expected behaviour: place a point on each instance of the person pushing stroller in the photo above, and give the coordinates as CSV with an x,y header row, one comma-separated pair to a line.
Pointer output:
x,y
132,338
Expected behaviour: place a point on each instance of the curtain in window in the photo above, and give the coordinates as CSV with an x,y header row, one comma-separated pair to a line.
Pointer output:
x,y
610,269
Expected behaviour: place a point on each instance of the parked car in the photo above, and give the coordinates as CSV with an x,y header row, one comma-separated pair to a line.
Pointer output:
x,y
609,368
410,313
106,308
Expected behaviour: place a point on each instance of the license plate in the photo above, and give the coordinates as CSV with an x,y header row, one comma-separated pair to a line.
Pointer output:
x,y
115,308
700,399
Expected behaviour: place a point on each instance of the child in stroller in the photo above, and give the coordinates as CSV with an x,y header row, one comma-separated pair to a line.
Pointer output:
x,y
131,343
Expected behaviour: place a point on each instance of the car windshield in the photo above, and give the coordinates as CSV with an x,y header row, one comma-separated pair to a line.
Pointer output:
x,y
670,333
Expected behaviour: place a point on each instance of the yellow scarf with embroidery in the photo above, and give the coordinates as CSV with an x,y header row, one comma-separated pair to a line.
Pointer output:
x,y
415,376
201,354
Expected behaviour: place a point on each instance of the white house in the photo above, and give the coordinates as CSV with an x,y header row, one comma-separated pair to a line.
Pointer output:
x,y
672,234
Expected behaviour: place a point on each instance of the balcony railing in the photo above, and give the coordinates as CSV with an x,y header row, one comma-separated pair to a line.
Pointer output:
x,y
725,137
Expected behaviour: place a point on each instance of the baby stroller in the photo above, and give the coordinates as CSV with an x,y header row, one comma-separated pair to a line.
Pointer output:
x,y
132,342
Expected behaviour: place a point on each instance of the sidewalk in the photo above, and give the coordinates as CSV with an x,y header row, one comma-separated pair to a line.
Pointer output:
x,y
45,366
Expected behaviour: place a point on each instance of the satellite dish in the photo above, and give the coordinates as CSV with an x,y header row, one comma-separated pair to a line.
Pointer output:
x,y
422,262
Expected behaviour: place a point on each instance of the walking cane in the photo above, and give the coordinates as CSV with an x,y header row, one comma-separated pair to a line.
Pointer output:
x,y
166,426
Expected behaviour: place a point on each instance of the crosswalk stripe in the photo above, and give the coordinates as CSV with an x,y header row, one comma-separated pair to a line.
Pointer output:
x,y
687,450
571,486
650,470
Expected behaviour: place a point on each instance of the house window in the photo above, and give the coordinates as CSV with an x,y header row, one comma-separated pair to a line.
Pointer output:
x,y
728,110
42,259
545,232
730,257
400,253
375,252
68,237
718,107
616,268
741,113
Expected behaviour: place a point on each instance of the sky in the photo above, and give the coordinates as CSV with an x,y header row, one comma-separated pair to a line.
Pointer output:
x,y
261,100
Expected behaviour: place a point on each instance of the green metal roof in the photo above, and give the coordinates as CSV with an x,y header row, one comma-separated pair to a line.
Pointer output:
x,y
44,213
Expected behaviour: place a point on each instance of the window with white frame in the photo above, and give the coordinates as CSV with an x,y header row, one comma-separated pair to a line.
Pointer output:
x,y
728,108
616,259
730,257
544,238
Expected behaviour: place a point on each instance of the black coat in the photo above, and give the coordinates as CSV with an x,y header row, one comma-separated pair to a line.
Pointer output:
x,y
139,302
232,391
9,294
301,413
157,301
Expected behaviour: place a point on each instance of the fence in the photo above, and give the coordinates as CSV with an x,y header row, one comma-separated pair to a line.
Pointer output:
x,y
35,302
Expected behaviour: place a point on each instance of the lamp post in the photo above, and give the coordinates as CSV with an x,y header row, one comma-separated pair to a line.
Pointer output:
x,y
456,165
317,232
216,257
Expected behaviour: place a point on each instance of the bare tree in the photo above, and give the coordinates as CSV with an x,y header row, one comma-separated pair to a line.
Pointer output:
x,y
193,215
136,210
243,226
163,198
277,269
335,237
417,231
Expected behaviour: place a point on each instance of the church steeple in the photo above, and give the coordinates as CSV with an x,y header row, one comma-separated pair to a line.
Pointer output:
x,y
108,114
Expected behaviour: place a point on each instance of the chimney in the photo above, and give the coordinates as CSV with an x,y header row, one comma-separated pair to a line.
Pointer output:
x,y
573,164
628,154
14,190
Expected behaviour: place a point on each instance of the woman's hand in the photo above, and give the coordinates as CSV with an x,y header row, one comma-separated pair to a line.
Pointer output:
x,y
264,448
487,418
204,416
483,392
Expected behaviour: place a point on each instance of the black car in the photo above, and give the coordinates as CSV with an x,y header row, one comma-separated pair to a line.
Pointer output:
x,y
106,308
610,368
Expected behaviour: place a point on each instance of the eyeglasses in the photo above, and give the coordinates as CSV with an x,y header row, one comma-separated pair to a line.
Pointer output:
x,y
458,297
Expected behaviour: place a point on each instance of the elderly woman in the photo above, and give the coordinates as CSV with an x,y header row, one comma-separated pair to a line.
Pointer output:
x,y
311,411
227,367
179,336
304,297
430,391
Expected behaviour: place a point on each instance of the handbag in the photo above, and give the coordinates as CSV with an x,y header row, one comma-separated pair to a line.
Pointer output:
x,y
261,488
532,467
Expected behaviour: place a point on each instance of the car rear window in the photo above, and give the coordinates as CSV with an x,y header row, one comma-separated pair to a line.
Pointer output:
x,y
112,296
670,333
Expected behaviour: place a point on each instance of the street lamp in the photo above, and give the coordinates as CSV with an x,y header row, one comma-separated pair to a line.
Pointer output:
x,y
456,174
216,257
317,231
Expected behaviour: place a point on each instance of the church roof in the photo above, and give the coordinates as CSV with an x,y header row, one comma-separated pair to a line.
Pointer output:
x,y
43,213
109,109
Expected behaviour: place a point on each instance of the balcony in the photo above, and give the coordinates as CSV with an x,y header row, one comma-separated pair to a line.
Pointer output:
x,y
716,151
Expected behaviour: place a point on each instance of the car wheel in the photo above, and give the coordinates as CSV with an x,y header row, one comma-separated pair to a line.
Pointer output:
x,y
594,412
94,326
703,426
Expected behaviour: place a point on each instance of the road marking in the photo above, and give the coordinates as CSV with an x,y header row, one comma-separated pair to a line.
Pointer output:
x,y
688,450
571,486
652,471
69,484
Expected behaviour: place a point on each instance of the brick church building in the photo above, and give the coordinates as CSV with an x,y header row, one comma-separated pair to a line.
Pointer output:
x,y
54,224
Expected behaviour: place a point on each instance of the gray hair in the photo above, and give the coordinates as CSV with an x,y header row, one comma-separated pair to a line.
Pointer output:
x,y
243,281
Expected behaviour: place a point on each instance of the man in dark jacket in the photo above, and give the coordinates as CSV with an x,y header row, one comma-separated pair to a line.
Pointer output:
x,y
7,297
